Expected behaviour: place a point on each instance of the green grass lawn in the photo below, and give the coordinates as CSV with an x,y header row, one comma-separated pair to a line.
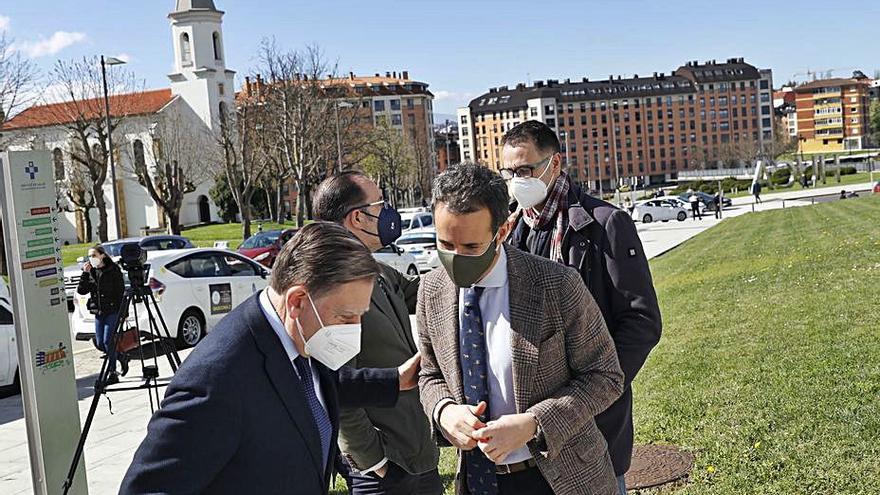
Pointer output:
x,y
830,181
769,366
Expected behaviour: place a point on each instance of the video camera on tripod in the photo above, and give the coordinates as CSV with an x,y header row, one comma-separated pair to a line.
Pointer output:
x,y
133,259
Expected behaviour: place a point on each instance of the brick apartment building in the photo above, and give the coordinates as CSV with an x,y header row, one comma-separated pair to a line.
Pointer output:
x,y
403,103
617,130
832,114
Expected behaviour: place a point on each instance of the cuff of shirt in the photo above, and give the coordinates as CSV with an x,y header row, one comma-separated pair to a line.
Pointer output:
x,y
439,407
377,467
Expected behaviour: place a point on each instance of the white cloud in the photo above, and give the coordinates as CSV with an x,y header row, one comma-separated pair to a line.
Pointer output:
x,y
4,23
57,42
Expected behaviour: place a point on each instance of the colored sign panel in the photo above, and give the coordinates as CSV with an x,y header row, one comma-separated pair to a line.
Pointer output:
x,y
49,392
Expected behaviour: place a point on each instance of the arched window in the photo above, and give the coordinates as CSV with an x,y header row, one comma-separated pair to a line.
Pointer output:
x,y
58,162
223,112
218,54
185,49
138,148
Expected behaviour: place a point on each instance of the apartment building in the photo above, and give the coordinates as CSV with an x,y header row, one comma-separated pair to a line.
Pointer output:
x,y
618,130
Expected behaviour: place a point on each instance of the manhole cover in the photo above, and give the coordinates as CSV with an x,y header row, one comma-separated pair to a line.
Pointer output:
x,y
655,465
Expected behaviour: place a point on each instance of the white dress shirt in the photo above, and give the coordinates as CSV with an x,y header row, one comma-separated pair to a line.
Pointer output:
x,y
495,312
287,342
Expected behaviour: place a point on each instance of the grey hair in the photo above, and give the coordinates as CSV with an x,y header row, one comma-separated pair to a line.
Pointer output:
x,y
468,187
321,256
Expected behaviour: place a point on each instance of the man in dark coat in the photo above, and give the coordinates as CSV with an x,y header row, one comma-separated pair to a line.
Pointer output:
x,y
255,407
561,222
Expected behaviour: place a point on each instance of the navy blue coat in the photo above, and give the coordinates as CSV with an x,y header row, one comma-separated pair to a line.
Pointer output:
x,y
235,418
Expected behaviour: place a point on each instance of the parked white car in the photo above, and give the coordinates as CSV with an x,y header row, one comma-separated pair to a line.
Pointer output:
x,y
418,220
194,289
658,209
398,259
422,244
9,379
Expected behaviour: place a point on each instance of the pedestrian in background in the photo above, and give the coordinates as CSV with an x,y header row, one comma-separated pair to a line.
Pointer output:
x,y
695,205
717,201
756,191
102,280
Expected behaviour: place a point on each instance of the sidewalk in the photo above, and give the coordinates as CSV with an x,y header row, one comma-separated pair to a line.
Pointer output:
x,y
114,438
660,237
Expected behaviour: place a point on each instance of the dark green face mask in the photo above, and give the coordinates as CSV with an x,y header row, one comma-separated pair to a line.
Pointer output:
x,y
465,270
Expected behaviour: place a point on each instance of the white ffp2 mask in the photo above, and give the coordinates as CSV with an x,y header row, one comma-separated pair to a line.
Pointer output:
x,y
529,191
332,345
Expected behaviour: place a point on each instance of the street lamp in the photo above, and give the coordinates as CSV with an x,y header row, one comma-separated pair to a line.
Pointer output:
x,y
104,64
336,107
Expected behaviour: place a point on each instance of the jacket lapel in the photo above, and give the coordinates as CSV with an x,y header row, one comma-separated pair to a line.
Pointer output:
x,y
444,312
526,308
383,303
285,381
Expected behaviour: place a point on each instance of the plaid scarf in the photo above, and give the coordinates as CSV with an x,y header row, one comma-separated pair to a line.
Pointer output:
x,y
557,202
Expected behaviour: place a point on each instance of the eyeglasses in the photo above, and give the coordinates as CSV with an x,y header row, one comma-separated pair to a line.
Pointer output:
x,y
524,171
362,207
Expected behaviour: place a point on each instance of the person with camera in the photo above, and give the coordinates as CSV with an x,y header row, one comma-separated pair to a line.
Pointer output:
x,y
102,280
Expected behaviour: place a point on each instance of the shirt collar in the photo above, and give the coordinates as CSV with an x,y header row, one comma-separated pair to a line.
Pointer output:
x,y
277,325
497,277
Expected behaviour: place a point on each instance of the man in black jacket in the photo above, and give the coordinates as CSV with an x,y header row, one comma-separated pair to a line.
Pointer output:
x,y
561,222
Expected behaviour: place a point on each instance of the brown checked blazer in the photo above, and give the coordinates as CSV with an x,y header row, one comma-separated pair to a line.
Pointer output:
x,y
565,368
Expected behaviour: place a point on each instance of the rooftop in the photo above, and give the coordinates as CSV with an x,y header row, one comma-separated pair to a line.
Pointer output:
x,y
129,104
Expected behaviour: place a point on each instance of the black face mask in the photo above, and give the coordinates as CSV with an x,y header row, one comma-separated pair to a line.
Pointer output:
x,y
388,225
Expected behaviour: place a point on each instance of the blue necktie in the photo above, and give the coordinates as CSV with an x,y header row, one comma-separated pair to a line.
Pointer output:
x,y
480,470
322,420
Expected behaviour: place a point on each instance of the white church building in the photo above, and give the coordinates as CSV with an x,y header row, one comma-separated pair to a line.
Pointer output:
x,y
201,90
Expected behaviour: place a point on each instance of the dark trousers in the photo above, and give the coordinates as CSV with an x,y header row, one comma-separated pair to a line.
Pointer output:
x,y
396,482
695,210
528,482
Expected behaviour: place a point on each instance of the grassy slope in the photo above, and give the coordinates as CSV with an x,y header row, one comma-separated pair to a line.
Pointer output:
x,y
769,367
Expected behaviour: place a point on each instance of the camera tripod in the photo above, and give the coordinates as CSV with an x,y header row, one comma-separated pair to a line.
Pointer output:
x,y
159,342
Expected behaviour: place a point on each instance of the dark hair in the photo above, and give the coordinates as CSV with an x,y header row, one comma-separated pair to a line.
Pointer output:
x,y
99,248
468,187
321,256
535,132
337,195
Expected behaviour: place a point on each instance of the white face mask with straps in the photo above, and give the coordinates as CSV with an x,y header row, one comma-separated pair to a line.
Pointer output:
x,y
530,191
332,345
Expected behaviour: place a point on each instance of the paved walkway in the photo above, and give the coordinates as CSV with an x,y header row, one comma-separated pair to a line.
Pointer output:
x,y
115,437
660,237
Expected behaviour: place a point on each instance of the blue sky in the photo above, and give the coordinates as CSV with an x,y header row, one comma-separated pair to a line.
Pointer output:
x,y
461,47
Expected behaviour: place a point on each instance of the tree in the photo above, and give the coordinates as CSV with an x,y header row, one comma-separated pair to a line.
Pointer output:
x,y
390,160
241,165
874,119
301,96
83,115
176,163
221,195
76,190
18,76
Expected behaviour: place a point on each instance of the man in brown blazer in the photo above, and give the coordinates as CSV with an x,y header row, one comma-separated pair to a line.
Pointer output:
x,y
513,368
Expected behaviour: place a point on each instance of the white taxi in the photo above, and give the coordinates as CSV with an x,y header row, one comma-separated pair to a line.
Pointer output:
x,y
194,289
9,379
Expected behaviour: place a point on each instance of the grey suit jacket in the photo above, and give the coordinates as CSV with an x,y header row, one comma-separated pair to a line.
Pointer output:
x,y
403,433
565,369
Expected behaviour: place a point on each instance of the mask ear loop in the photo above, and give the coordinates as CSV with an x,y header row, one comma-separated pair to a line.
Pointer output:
x,y
315,309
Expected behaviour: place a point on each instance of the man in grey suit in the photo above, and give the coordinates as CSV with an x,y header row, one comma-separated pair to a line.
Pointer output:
x,y
385,451
513,368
